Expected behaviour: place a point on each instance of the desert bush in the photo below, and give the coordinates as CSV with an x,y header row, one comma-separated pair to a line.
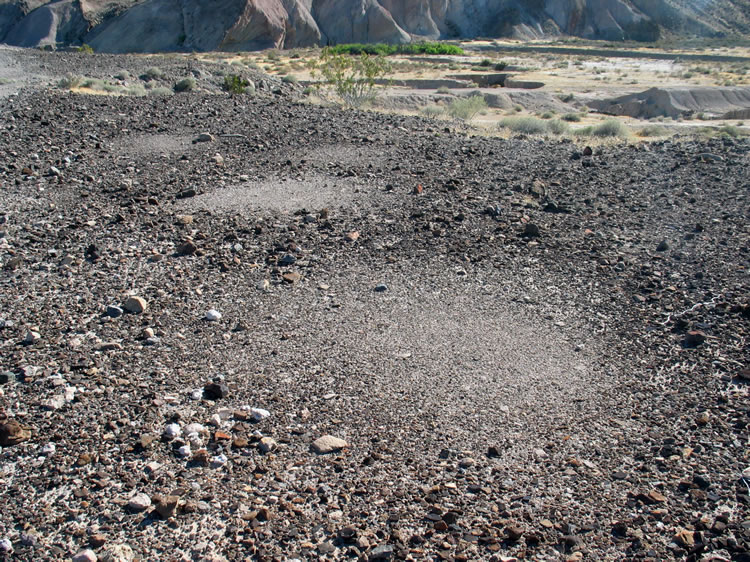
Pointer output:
x,y
500,66
353,79
525,125
485,62
432,111
426,48
610,128
730,131
152,73
566,98
443,90
289,79
93,84
571,117
86,49
652,131
122,75
547,115
235,84
557,127
185,85
466,108
69,81
518,108
110,88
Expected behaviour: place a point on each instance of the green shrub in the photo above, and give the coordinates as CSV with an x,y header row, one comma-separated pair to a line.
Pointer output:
x,y
93,84
426,48
571,117
547,115
566,98
730,131
500,66
466,108
518,108
235,84
524,125
557,127
485,62
86,49
185,85
152,73
123,75
289,79
652,131
611,128
443,90
69,81
432,111
353,79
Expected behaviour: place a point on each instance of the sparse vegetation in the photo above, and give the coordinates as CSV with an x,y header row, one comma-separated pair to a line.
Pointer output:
x,y
652,131
69,82
427,48
152,73
86,49
524,125
571,117
611,128
235,84
185,85
289,79
122,75
557,127
443,90
432,111
466,108
353,79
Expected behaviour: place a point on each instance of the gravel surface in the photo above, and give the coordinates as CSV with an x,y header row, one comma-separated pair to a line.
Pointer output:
x,y
327,334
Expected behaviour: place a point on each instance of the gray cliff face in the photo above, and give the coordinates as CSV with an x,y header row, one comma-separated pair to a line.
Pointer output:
x,y
171,25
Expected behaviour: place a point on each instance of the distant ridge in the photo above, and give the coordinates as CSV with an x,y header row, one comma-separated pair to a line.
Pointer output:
x,y
119,26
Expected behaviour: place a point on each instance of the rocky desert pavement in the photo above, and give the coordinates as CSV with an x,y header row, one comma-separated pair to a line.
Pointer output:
x,y
249,328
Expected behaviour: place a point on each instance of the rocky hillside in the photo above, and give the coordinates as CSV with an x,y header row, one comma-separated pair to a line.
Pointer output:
x,y
173,25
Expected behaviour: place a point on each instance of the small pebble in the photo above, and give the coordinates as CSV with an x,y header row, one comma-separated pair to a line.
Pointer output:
x,y
139,502
135,305
259,414
172,431
87,555
213,315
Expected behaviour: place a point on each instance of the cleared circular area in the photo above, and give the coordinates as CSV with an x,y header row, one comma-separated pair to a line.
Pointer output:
x,y
432,366
285,195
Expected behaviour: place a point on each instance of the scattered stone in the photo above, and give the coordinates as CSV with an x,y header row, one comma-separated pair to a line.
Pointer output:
x,y
118,553
217,159
287,259
87,555
108,346
7,377
32,337
684,538
139,502
291,277
48,449
259,414
213,315
172,431
114,311
381,288
267,444
703,418
263,285
166,506
384,551
663,246
215,391
204,137
693,339
531,230
328,444
186,194
187,248
135,305
352,236
13,433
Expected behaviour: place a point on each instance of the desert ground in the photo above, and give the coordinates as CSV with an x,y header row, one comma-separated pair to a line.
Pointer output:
x,y
266,327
